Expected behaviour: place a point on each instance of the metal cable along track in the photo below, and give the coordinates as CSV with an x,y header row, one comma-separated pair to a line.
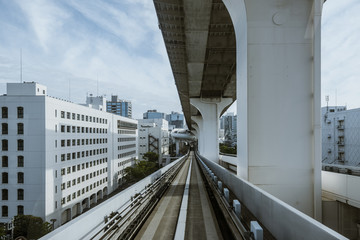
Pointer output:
x,y
126,224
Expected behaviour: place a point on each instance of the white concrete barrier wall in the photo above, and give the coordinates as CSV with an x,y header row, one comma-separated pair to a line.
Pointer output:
x,y
229,159
282,220
80,227
341,187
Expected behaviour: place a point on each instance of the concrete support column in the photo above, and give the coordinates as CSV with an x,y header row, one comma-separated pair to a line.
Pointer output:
x,y
199,124
278,97
80,208
210,110
177,144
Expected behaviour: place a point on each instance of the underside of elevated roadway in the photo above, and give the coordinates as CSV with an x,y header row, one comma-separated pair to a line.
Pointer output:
x,y
200,41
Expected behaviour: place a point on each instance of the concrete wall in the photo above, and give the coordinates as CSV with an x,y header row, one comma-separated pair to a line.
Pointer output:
x,y
341,187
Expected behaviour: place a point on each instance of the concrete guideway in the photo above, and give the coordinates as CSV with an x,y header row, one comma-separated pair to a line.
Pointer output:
x,y
161,223
200,218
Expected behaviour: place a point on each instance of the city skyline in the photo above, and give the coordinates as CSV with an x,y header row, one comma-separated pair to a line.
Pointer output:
x,y
99,47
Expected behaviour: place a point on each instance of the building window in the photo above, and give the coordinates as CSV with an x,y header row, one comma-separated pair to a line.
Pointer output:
x,y
20,112
20,144
4,144
20,177
5,161
20,162
20,194
4,128
5,177
4,194
5,211
62,114
20,129
4,111
20,210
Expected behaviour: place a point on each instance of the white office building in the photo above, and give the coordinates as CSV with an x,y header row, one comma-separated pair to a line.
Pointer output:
x,y
153,137
59,158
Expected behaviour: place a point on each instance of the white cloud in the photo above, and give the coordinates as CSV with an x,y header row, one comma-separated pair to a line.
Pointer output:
x,y
83,42
341,52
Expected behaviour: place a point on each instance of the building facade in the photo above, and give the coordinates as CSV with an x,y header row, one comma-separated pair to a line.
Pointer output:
x,y
153,137
341,136
119,107
230,133
153,114
59,158
175,119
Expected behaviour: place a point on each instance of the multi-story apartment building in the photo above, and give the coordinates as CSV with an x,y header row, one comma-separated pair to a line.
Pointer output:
x,y
341,136
119,107
59,158
153,137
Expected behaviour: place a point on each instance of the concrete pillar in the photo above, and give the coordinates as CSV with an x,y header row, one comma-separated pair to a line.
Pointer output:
x,y
278,98
199,124
80,208
177,144
210,110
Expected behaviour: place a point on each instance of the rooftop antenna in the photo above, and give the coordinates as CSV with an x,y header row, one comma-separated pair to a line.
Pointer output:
x,y
20,65
69,91
327,102
335,100
97,86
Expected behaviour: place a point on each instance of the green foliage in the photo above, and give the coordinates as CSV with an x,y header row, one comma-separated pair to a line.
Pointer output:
x,y
2,231
226,149
30,226
140,170
151,156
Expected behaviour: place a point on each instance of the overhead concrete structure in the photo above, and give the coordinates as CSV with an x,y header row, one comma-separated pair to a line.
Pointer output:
x,y
265,54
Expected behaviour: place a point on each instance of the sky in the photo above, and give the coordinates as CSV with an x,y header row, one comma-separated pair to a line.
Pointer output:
x,y
105,47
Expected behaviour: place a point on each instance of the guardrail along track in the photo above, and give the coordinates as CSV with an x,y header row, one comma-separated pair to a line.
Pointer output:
x,y
126,223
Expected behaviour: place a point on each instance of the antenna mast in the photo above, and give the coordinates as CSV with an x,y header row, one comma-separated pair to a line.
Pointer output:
x,y
97,86
69,91
20,65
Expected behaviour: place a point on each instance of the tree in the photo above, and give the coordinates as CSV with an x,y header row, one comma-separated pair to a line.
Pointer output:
x,y
151,156
30,227
2,230
140,170
226,149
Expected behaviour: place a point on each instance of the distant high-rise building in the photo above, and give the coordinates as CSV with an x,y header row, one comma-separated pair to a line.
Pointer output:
x,y
175,119
153,114
229,123
119,107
